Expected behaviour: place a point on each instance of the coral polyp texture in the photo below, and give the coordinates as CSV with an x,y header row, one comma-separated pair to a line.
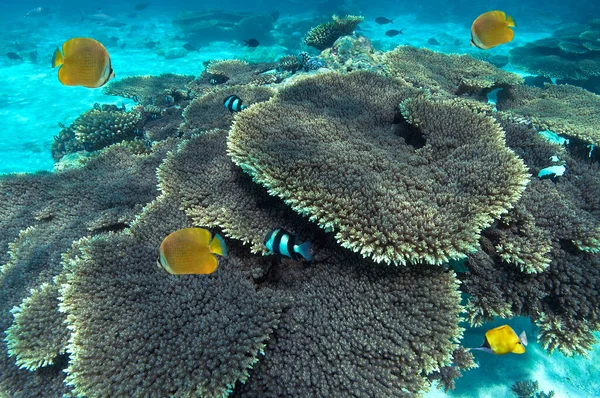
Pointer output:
x,y
40,217
207,112
38,312
149,90
358,329
412,187
137,329
324,35
98,128
240,208
557,286
437,72
563,109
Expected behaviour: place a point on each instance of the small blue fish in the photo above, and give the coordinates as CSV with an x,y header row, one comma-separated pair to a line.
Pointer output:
x,y
282,242
233,103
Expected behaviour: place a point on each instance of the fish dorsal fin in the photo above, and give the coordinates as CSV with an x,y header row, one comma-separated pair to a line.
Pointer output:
x,y
217,246
511,22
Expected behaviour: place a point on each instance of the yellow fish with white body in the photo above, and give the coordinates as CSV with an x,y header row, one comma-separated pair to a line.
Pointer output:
x,y
83,62
190,251
491,29
503,340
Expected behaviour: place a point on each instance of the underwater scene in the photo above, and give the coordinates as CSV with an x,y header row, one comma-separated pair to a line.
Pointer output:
x,y
306,198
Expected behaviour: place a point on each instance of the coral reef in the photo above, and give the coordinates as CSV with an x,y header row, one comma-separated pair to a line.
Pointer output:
x,y
163,90
351,53
529,389
571,53
237,72
40,217
563,109
393,187
366,330
136,328
241,209
98,128
207,112
437,72
462,359
324,35
557,288
38,312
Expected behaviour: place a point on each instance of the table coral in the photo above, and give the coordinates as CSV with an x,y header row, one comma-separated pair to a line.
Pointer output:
x,y
563,109
446,73
324,35
416,187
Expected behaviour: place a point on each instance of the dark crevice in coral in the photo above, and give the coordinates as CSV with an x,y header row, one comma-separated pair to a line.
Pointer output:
x,y
116,227
569,247
412,135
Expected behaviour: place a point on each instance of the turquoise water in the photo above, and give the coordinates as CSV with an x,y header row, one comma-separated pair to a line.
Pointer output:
x,y
35,103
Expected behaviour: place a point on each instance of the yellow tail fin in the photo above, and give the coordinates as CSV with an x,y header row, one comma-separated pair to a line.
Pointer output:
x,y
511,21
57,58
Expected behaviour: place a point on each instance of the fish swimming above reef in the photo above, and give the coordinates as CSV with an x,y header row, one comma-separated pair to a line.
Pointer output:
x,y
191,251
83,62
282,242
15,56
492,29
190,47
39,12
393,32
141,6
503,340
251,43
101,18
383,20
233,103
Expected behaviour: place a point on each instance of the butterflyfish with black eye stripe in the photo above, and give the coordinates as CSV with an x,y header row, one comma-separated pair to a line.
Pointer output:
x,y
191,251
492,29
282,242
503,340
83,62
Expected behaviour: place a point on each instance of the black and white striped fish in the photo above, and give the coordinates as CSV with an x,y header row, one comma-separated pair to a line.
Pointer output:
x,y
233,103
282,242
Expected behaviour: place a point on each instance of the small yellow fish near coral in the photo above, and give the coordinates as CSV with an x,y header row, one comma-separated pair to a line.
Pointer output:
x,y
492,29
83,62
190,251
503,340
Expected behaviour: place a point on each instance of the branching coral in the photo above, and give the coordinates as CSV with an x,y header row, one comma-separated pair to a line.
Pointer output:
x,y
98,128
207,112
455,74
150,90
138,329
241,209
324,35
238,72
564,109
561,218
41,215
412,189
358,329
38,313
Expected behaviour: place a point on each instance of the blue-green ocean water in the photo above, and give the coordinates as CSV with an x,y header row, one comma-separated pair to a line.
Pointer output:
x,y
33,102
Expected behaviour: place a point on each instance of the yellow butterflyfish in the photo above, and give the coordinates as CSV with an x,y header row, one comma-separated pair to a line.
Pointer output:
x,y
191,251
492,29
